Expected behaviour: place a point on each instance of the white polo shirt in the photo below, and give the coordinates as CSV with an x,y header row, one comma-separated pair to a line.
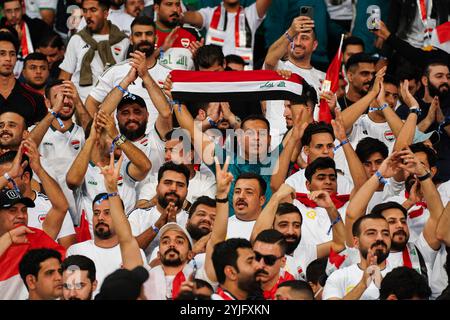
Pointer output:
x,y
239,228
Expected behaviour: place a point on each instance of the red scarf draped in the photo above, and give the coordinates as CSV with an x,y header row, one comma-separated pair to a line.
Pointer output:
x,y
223,294
176,284
418,212
339,200
270,294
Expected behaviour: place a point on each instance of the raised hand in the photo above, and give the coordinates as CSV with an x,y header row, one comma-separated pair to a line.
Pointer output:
x,y
94,133
200,245
382,33
338,127
170,39
214,111
299,128
171,211
301,24
286,74
379,77
322,198
59,102
410,163
381,96
223,178
195,45
111,173
31,150
167,87
70,91
130,77
18,166
390,166
19,235
284,191
330,98
138,62
107,123
406,95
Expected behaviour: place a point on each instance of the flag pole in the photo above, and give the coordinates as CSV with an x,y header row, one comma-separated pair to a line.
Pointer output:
x,y
340,44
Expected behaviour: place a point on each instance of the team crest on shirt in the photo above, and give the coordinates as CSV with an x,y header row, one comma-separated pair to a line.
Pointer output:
x,y
185,42
41,217
120,181
389,135
311,214
75,144
144,141
117,50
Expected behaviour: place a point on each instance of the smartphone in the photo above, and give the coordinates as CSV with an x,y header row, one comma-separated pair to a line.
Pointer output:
x,y
307,11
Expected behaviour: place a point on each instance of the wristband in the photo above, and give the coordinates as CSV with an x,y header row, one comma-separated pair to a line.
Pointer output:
x,y
8,178
424,177
286,34
161,53
333,223
224,200
53,113
155,229
343,143
119,140
125,92
173,103
211,122
382,179
106,196
114,194
113,144
383,106
415,110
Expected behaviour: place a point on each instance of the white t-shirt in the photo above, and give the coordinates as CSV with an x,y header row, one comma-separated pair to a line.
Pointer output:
x,y
229,46
343,11
298,182
114,75
364,127
342,281
123,21
239,228
304,254
107,260
142,219
77,48
33,7
438,278
93,184
316,223
36,216
444,192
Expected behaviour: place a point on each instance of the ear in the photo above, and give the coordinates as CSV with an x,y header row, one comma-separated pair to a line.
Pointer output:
x,y
391,297
349,75
356,242
94,285
315,44
190,255
424,81
433,171
25,134
230,273
283,262
308,185
306,150
31,282
262,200
201,114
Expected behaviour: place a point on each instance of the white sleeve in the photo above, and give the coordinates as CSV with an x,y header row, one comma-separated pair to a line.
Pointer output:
x,y
146,189
206,14
104,86
252,17
393,188
428,254
333,287
67,227
69,63
136,226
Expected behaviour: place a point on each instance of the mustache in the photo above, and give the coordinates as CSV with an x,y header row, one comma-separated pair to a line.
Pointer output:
x,y
379,243
399,233
144,42
174,15
132,121
261,271
101,224
172,250
172,194
444,85
240,201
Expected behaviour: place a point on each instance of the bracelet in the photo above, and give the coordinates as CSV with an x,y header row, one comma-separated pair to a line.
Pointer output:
x,y
125,92
425,176
11,180
173,103
224,200
113,144
114,194
286,34
415,110
333,223
106,196
7,176
155,229
383,106
119,140
343,143
382,179
53,113
211,122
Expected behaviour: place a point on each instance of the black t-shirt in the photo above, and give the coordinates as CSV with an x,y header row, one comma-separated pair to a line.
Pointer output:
x,y
344,102
403,112
24,101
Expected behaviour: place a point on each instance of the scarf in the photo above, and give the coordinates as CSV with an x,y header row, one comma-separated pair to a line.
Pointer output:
x,y
103,48
339,200
418,209
157,283
270,294
224,295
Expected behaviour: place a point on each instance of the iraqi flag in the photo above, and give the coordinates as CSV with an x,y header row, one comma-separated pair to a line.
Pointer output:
x,y
333,76
11,284
440,37
235,87
335,262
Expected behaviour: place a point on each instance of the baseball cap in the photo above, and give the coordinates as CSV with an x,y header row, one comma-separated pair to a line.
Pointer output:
x,y
420,136
123,284
132,99
175,226
9,198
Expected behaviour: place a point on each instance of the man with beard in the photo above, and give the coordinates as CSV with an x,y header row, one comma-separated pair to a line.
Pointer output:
x,y
287,219
36,71
361,281
168,25
419,253
104,249
79,280
97,46
171,191
143,39
14,96
13,129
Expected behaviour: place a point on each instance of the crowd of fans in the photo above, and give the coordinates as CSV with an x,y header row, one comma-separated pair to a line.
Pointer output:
x,y
119,181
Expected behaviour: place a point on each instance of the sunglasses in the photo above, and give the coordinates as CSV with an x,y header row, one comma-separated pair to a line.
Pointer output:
x,y
269,259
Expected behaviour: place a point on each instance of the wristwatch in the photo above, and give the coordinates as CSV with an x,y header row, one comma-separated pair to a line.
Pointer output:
x,y
120,141
415,110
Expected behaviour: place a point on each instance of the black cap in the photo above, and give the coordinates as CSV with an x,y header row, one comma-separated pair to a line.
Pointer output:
x,y
9,198
131,99
360,58
123,284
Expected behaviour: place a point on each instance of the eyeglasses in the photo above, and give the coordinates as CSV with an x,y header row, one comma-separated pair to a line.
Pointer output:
x,y
74,286
269,259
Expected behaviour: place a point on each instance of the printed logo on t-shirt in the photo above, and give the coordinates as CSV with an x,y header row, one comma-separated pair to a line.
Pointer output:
x,y
185,42
348,289
48,144
117,50
120,180
75,144
311,214
389,135
41,217
94,183
144,142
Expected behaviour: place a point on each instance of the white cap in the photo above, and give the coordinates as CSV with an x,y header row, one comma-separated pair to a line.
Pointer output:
x,y
175,226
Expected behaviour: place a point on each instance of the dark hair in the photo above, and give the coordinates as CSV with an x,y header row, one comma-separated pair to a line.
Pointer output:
x,y
319,164
254,117
286,208
35,56
405,283
83,263
31,262
315,128
352,40
356,228
433,63
52,83
381,207
421,147
273,236
104,196
359,58
8,157
316,271
52,40
207,56
391,80
408,74
299,286
142,21
170,166
226,254
102,3
182,135
9,37
368,146
252,175
234,58
205,200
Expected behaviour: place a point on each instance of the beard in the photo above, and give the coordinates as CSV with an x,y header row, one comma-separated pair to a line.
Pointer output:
x,y
441,91
196,232
171,24
249,283
103,233
399,246
171,262
147,50
379,253
133,135
292,245
68,116
163,202
12,144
